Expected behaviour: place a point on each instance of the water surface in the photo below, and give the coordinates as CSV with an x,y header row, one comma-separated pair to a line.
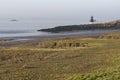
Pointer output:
x,y
29,28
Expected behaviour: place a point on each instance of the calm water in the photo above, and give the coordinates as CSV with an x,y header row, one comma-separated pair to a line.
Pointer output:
x,y
30,27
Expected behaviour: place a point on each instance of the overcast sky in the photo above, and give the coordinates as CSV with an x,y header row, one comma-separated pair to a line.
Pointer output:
x,y
60,9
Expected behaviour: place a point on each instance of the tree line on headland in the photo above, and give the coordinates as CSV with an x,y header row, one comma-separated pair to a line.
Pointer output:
x,y
104,26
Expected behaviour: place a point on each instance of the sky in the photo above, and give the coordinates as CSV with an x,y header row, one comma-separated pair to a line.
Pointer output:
x,y
60,9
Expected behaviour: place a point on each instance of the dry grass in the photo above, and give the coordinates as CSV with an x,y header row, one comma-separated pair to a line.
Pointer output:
x,y
35,63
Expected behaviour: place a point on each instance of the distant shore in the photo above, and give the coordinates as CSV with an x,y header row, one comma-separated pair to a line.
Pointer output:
x,y
113,25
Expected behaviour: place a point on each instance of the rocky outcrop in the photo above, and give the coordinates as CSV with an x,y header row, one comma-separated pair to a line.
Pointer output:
x,y
107,25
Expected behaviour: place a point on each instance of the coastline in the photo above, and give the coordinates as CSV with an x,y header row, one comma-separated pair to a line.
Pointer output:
x,y
10,41
92,26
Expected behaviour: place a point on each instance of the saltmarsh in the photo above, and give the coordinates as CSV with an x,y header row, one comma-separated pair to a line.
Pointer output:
x,y
98,60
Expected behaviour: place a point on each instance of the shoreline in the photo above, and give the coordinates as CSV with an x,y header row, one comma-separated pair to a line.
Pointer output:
x,y
73,33
11,41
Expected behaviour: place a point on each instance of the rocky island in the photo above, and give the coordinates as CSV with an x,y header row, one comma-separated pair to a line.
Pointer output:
x,y
92,26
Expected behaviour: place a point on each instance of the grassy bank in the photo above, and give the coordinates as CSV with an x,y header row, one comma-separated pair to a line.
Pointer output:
x,y
98,60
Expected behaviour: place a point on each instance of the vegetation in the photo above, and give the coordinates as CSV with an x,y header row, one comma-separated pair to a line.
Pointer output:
x,y
108,74
110,36
98,60
62,44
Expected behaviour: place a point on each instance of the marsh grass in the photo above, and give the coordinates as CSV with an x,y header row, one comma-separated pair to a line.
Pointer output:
x,y
99,57
110,36
107,74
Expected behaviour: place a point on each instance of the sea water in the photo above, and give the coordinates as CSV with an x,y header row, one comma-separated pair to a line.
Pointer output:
x,y
29,27
22,28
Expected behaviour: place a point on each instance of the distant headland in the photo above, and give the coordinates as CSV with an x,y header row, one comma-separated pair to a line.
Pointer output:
x,y
93,25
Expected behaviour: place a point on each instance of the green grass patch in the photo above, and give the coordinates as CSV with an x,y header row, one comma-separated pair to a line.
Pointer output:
x,y
107,74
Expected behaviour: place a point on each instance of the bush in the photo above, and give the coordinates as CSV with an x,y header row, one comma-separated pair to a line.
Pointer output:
x,y
62,44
